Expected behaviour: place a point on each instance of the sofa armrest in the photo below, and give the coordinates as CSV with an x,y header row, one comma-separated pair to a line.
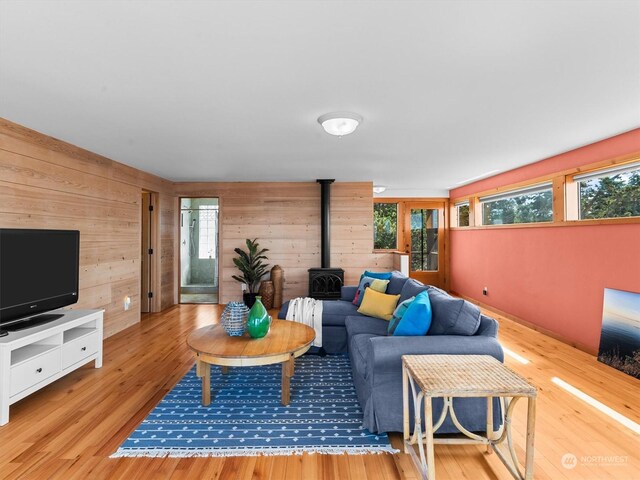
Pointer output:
x,y
348,293
488,327
386,352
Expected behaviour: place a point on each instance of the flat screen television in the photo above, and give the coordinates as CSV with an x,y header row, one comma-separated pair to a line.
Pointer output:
x,y
39,272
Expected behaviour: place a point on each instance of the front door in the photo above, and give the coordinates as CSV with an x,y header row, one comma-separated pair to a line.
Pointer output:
x,y
424,241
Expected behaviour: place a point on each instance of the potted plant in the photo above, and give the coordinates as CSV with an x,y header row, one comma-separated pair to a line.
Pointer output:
x,y
252,267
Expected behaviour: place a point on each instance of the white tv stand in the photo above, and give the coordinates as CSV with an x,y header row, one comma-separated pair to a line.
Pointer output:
x,y
34,357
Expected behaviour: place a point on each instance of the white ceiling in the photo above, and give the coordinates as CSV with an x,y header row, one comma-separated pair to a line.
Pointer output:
x,y
230,91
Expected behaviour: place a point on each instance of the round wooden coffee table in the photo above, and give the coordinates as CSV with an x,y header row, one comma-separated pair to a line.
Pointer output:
x,y
285,341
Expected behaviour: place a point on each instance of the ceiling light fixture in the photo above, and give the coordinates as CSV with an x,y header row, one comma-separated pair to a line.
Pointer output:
x,y
378,189
340,123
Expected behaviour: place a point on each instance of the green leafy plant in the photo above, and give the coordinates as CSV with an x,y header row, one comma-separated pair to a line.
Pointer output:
x,y
251,265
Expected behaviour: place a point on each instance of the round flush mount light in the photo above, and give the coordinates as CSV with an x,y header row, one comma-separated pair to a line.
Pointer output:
x,y
340,123
378,189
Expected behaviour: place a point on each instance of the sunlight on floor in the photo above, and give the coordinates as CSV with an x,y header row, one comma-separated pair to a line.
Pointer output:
x,y
618,417
515,356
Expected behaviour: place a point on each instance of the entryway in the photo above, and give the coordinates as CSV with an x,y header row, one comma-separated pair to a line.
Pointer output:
x,y
199,260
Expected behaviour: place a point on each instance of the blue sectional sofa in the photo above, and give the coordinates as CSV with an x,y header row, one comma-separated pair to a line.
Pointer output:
x,y
376,356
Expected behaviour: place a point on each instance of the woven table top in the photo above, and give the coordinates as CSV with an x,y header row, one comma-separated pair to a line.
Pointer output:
x,y
465,376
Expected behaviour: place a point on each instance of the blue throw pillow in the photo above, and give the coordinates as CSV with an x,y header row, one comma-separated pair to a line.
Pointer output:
x,y
369,282
398,313
378,275
417,319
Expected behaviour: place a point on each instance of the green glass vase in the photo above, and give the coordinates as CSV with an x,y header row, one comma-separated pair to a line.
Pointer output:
x,y
258,322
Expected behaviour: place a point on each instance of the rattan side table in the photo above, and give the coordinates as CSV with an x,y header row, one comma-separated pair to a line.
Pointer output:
x,y
450,376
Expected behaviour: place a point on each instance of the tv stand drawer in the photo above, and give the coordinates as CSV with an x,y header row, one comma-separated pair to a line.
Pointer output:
x,y
78,349
34,371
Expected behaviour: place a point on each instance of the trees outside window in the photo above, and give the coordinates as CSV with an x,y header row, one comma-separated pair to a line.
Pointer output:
x,y
525,208
610,197
385,226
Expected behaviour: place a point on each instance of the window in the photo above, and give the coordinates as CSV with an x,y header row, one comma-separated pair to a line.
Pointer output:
x,y
424,240
385,226
208,231
527,205
610,193
462,214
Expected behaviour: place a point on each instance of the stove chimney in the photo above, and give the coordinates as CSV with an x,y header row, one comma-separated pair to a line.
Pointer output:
x,y
325,222
325,282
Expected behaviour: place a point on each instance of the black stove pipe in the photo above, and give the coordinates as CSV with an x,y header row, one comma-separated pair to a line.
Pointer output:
x,y
325,221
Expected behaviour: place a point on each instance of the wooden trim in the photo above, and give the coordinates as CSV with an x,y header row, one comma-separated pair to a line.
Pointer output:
x,y
566,223
526,323
558,194
629,158
565,200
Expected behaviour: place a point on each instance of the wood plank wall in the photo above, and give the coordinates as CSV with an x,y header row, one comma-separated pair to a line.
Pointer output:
x,y
47,183
285,217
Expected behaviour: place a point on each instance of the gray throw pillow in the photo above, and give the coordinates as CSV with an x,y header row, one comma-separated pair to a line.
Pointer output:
x,y
452,316
396,282
411,288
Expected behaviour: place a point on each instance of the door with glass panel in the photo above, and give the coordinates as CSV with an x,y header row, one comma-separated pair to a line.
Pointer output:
x,y
424,241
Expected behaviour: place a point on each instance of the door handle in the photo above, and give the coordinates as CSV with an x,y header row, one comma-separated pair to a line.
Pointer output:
x,y
39,370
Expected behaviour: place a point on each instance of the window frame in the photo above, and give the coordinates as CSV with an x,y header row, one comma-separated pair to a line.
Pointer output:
x,y
573,199
209,209
565,198
398,236
456,213
509,194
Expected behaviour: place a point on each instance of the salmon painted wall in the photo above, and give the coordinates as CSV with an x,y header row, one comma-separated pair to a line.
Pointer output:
x,y
552,277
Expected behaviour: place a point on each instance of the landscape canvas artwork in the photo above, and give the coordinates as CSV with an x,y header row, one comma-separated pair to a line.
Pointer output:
x,y
620,339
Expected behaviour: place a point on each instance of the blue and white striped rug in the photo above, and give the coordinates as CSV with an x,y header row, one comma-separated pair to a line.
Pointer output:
x,y
246,418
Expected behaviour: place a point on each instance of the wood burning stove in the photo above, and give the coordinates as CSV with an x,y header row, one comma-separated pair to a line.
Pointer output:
x,y
325,282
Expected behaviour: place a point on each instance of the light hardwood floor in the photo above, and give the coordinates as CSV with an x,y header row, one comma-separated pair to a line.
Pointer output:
x,y
69,429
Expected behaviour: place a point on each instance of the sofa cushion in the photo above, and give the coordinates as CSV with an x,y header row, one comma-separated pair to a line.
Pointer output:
x,y
334,312
417,319
411,288
360,324
396,282
359,346
378,305
452,316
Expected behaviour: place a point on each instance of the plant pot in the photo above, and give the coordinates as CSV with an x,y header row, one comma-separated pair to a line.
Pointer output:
x,y
266,292
258,322
249,299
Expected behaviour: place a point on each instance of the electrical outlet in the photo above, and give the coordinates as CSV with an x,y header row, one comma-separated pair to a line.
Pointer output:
x,y
127,302
485,292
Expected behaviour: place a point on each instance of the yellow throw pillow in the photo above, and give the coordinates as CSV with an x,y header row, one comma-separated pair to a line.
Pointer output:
x,y
378,305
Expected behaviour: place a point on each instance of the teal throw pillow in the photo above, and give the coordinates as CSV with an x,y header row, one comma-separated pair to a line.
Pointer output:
x,y
417,319
398,314
378,275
